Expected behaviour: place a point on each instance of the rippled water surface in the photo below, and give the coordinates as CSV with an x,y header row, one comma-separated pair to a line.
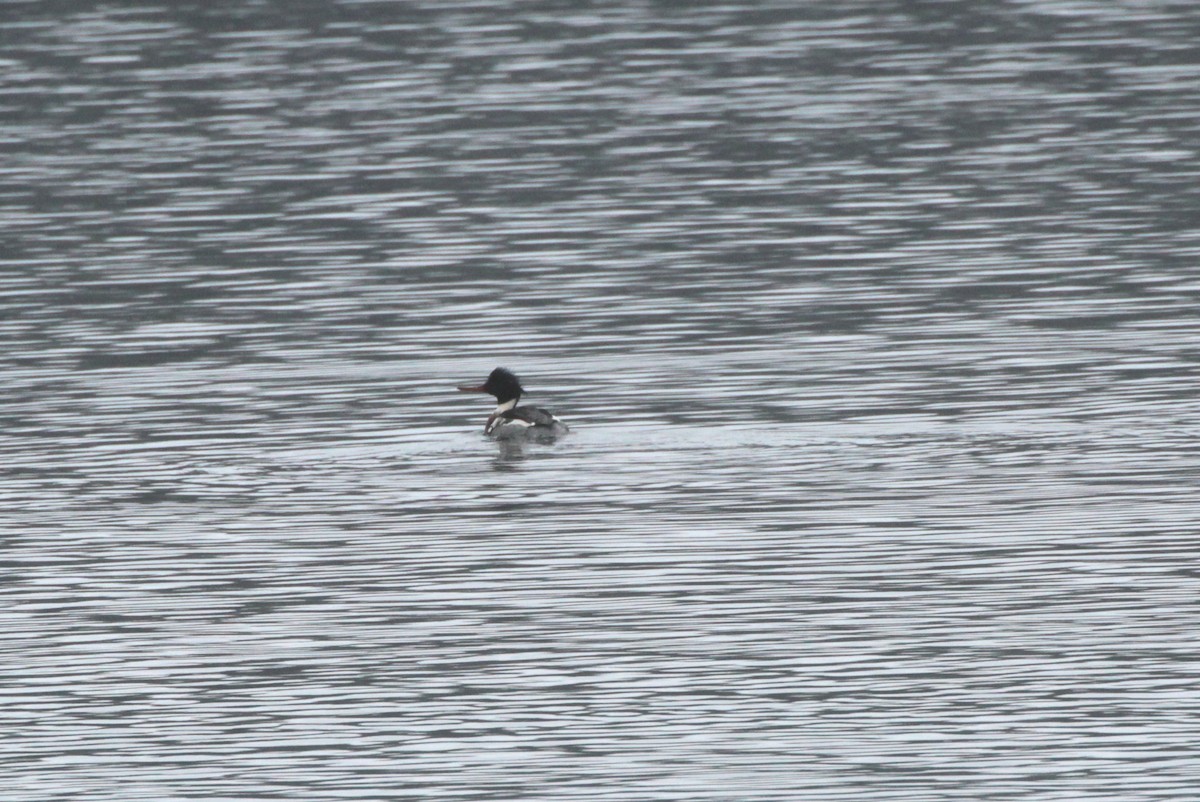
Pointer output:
x,y
875,323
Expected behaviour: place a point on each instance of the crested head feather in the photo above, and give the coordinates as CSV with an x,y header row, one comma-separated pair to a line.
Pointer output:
x,y
503,384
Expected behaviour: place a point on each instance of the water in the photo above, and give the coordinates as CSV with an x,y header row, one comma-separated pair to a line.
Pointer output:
x,y
875,323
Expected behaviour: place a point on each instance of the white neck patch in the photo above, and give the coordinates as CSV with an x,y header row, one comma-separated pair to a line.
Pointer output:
x,y
506,406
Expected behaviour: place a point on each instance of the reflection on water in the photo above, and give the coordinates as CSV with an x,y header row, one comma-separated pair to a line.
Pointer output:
x,y
874,325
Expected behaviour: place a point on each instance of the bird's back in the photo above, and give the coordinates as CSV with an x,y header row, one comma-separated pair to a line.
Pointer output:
x,y
527,422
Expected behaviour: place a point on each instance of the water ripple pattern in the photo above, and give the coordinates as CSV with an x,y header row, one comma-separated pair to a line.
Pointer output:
x,y
875,323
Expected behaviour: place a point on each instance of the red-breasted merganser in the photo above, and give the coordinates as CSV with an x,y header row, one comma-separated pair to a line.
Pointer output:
x,y
510,421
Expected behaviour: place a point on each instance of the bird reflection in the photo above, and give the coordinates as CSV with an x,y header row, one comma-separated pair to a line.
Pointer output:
x,y
509,455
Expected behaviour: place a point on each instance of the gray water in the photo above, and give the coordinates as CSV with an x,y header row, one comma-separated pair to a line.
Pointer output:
x,y
875,323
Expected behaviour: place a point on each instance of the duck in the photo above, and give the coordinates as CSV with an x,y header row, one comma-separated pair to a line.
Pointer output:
x,y
509,421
